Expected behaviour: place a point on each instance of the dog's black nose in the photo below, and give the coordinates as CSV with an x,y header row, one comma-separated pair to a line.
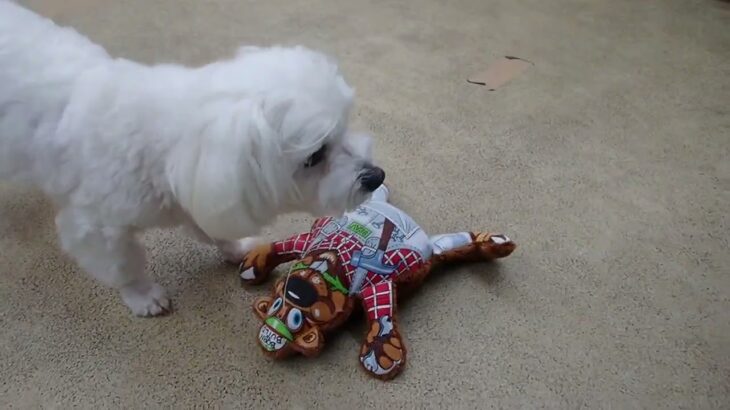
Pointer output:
x,y
372,178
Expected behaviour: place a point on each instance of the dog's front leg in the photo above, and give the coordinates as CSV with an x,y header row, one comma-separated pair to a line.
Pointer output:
x,y
115,258
233,251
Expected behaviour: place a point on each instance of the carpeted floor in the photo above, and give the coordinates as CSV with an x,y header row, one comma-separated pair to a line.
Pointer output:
x,y
608,162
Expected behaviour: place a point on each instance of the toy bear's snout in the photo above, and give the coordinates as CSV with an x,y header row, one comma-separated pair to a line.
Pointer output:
x,y
274,335
285,329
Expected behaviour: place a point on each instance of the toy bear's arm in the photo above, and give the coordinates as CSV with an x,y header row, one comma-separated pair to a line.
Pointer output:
x,y
470,247
258,264
460,247
382,353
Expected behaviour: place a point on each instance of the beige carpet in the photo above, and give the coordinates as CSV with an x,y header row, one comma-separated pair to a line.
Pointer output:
x,y
608,161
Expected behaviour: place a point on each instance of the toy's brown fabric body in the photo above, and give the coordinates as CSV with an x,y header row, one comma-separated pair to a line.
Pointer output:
x,y
364,256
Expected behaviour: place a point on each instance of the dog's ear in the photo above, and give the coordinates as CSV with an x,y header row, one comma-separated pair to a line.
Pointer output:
x,y
228,174
300,124
275,113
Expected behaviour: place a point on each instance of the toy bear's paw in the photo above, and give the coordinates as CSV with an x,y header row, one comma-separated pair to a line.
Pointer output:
x,y
254,269
494,245
383,354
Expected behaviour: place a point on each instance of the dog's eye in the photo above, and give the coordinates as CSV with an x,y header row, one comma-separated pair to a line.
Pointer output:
x,y
316,158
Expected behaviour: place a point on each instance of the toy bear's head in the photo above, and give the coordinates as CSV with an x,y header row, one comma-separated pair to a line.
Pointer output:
x,y
310,300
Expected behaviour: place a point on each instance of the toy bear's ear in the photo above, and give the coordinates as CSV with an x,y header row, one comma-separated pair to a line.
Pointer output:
x,y
310,342
261,306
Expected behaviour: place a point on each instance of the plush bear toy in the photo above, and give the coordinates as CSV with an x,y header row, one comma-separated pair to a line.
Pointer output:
x,y
364,256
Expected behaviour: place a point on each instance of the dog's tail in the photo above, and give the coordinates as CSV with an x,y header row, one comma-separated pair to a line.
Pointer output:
x,y
40,63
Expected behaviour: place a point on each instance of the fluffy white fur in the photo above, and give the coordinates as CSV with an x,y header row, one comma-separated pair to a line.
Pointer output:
x,y
121,146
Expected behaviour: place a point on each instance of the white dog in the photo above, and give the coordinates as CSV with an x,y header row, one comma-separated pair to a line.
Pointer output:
x,y
221,149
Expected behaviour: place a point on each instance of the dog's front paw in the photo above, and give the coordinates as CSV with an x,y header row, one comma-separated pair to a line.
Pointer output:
x,y
235,251
146,299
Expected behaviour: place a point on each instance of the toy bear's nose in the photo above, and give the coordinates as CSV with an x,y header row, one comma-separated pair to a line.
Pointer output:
x,y
300,292
372,177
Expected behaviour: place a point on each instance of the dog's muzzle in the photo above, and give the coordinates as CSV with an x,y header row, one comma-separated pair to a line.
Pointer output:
x,y
371,177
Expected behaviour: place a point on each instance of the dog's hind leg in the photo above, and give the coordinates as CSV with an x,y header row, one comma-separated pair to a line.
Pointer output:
x,y
115,258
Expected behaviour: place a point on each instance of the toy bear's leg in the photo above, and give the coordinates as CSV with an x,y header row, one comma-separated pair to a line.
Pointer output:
x,y
471,246
383,353
449,241
381,194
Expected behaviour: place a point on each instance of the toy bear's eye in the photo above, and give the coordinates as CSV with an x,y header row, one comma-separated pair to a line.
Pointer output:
x,y
294,320
275,306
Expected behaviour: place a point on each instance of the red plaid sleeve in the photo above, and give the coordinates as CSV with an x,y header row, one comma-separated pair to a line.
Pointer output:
x,y
296,244
405,259
379,300
318,225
